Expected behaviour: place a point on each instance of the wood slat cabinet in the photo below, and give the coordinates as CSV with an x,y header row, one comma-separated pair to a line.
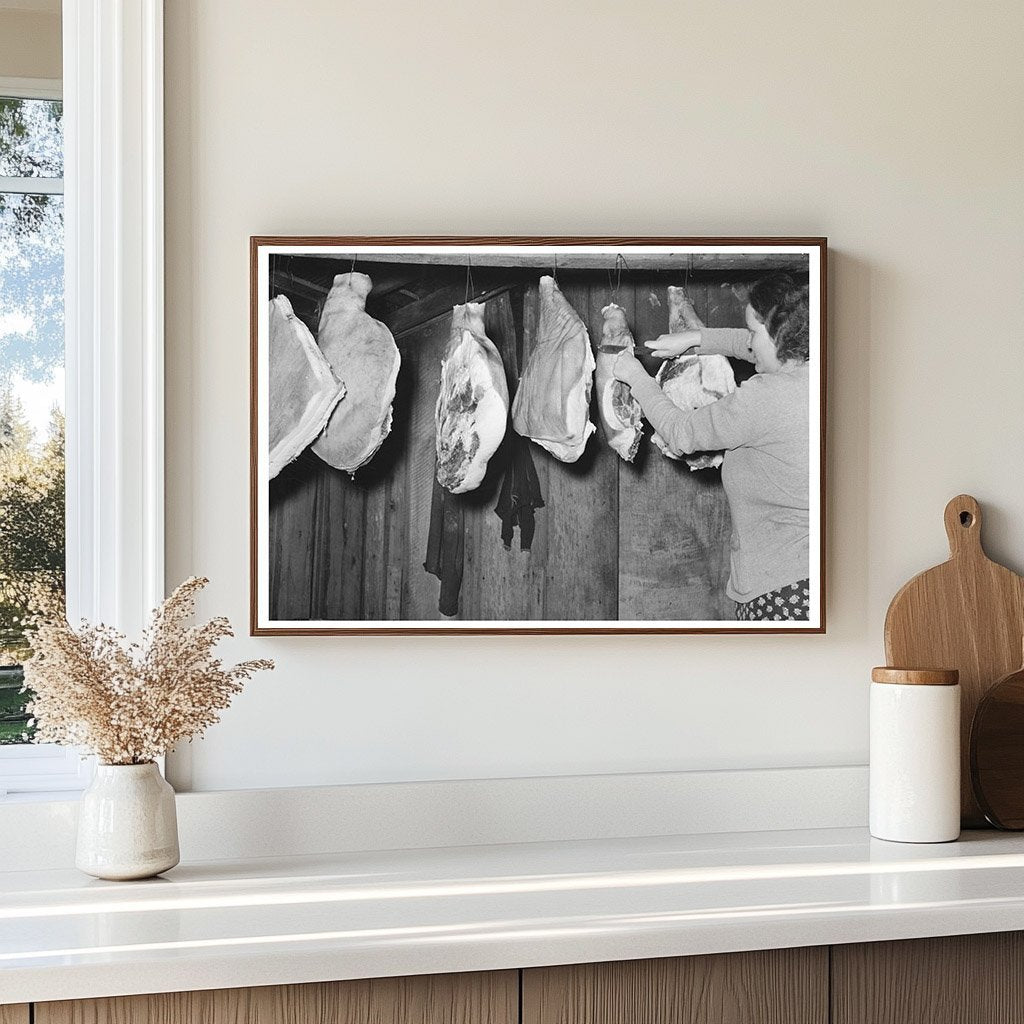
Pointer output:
x,y
776,986
481,998
961,979
973,979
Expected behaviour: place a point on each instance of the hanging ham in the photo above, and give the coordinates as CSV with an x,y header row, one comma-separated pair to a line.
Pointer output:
x,y
303,388
472,405
619,410
681,314
552,404
364,355
692,381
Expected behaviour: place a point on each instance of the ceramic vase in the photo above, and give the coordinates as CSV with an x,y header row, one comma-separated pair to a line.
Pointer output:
x,y
127,825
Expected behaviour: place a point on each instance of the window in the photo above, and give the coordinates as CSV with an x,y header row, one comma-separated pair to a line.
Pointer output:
x,y
112,213
31,382
32,530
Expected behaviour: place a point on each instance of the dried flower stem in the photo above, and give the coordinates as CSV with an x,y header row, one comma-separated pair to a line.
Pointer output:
x,y
129,703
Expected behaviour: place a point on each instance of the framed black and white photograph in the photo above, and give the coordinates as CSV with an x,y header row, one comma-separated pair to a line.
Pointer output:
x,y
537,435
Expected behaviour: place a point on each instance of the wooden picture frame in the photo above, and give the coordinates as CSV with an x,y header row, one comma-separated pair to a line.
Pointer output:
x,y
311,525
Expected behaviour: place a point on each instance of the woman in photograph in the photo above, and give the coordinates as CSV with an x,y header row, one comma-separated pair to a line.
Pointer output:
x,y
763,428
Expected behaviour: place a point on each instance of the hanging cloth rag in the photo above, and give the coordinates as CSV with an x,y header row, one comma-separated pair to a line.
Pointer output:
x,y
520,496
446,541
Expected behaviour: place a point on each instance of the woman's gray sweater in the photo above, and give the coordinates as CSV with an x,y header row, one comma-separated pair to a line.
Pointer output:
x,y
764,429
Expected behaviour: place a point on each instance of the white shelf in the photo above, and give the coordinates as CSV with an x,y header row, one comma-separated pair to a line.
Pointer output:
x,y
353,915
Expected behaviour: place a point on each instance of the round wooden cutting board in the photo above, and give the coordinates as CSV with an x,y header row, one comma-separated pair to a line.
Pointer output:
x,y
968,614
997,752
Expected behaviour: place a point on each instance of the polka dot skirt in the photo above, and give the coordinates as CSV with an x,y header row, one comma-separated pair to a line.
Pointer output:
x,y
784,605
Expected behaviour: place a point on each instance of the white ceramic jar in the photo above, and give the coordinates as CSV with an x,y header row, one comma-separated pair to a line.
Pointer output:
x,y
915,755
127,823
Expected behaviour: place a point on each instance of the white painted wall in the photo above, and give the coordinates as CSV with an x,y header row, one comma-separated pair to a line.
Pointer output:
x,y
895,129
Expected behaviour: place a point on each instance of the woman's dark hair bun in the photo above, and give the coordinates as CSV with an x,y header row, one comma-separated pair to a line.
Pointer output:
x,y
788,325
769,291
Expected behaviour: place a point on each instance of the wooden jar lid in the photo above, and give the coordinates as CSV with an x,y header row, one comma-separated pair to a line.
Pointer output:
x,y
916,676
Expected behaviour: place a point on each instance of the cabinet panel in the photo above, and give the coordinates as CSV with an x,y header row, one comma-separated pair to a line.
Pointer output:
x,y
779,986
483,998
962,979
14,1014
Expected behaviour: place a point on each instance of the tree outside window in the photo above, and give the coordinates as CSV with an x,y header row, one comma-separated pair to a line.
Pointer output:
x,y
32,529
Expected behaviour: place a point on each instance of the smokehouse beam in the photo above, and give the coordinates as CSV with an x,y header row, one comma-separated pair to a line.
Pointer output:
x,y
282,281
442,301
569,260
383,284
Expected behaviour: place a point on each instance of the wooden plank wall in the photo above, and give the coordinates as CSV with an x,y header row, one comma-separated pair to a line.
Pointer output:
x,y
648,541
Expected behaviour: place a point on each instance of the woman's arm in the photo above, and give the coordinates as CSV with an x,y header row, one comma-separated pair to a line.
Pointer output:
x,y
727,423
726,341
707,341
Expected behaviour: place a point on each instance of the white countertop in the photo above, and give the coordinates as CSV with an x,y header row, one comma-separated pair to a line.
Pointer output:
x,y
352,915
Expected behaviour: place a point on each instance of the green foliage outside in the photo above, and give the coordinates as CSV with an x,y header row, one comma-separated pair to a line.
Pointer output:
x,y
13,727
31,351
31,546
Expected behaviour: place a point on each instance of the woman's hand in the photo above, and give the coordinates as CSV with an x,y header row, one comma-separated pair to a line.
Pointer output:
x,y
628,368
669,345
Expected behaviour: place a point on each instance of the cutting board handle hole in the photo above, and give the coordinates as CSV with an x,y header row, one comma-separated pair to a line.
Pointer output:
x,y
966,519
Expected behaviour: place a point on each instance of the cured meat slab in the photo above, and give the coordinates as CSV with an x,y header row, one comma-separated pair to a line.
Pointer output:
x,y
303,389
364,355
552,404
472,405
681,314
618,409
692,381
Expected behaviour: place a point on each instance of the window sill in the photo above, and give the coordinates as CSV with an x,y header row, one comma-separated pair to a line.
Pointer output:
x,y
41,797
42,771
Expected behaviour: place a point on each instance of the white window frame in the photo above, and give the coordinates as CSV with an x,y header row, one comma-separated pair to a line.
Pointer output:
x,y
114,323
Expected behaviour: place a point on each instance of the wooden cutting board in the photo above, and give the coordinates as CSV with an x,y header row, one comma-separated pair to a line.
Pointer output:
x,y
997,752
967,614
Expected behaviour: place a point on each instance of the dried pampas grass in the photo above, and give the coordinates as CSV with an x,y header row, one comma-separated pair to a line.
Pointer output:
x,y
129,703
